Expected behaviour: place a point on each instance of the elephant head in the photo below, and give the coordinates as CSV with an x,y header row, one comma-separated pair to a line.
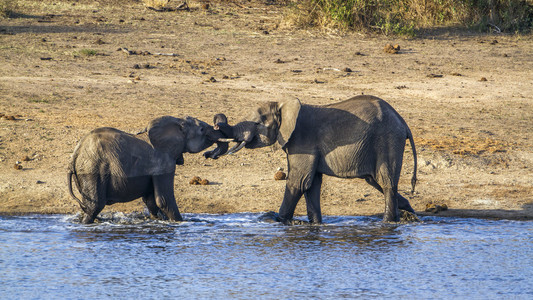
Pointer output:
x,y
176,136
271,122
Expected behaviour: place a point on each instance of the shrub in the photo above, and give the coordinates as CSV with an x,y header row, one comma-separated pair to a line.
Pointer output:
x,y
404,16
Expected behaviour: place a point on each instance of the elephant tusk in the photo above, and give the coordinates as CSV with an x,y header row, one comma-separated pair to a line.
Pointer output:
x,y
225,140
236,148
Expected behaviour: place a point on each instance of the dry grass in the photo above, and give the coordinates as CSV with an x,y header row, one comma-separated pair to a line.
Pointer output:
x,y
7,7
156,3
404,16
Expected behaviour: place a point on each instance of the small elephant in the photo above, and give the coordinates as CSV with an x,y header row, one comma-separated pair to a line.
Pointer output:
x,y
363,137
110,166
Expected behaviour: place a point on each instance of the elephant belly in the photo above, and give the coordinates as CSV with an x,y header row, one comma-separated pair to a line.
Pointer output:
x,y
133,188
346,162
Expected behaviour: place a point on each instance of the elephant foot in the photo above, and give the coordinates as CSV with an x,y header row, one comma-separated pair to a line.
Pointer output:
x,y
86,219
273,217
391,218
269,217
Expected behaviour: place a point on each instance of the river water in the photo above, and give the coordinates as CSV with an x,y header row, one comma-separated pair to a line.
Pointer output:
x,y
241,256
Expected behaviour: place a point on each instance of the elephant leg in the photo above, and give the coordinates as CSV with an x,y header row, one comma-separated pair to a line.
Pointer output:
x,y
392,214
312,198
164,196
370,180
152,206
290,200
94,195
402,202
390,188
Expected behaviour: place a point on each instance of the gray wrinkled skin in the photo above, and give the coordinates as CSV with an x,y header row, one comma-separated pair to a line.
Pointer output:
x,y
363,137
110,166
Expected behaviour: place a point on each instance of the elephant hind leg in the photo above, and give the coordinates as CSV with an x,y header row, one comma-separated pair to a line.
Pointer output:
x,y
155,212
392,213
312,198
389,185
402,202
95,197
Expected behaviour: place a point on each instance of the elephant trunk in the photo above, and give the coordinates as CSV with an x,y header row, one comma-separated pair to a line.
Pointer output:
x,y
221,137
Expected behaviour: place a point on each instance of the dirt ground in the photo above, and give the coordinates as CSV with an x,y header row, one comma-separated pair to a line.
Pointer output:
x,y
466,97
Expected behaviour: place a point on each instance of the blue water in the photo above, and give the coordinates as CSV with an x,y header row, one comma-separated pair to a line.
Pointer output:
x,y
240,256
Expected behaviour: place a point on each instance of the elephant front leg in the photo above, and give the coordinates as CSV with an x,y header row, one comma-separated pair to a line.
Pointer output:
x,y
164,196
290,200
312,198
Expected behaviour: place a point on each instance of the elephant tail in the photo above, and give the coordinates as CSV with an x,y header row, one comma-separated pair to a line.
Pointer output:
x,y
413,149
69,180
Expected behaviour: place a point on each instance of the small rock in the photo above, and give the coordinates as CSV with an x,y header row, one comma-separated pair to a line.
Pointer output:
x,y
204,182
26,158
17,166
483,79
347,70
280,175
136,66
212,79
39,182
435,75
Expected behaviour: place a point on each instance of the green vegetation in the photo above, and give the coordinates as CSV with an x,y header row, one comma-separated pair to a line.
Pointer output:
x,y
7,8
403,17
86,52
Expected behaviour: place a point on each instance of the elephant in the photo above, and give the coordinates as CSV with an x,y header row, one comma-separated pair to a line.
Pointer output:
x,y
362,137
110,166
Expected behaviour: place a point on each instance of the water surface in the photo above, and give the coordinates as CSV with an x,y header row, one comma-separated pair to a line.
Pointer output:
x,y
241,256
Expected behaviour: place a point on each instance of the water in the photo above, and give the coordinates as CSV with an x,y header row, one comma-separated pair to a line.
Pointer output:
x,y
240,256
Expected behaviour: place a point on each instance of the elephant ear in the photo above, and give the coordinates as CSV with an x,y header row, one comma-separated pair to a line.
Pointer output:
x,y
289,115
167,134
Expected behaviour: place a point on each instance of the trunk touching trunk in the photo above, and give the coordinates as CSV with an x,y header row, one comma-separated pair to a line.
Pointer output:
x,y
220,137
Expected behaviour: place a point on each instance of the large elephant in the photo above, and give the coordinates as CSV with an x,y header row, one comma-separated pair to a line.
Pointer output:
x,y
363,137
110,166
